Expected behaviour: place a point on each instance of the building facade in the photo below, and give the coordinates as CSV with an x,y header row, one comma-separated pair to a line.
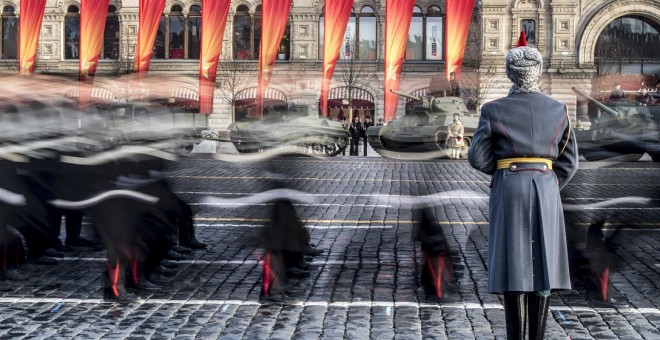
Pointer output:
x,y
576,38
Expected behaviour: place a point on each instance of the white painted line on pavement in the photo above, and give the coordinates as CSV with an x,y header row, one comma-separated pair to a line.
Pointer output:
x,y
223,262
307,226
239,204
340,304
438,195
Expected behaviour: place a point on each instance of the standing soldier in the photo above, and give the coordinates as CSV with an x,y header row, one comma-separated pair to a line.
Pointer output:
x,y
367,123
525,141
455,132
356,131
344,124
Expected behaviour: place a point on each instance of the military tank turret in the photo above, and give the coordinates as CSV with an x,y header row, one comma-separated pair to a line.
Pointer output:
x,y
422,132
620,129
290,126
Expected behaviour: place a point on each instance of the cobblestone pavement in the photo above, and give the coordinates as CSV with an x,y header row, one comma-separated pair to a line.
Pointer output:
x,y
365,285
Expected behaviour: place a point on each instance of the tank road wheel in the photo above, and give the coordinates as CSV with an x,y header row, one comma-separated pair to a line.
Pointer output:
x,y
330,149
317,148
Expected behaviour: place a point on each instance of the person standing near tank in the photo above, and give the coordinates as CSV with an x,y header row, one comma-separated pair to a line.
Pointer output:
x,y
455,132
454,85
356,131
525,141
366,125
644,98
617,93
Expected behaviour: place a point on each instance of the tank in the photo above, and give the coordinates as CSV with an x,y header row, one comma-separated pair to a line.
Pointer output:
x,y
291,126
421,133
620,130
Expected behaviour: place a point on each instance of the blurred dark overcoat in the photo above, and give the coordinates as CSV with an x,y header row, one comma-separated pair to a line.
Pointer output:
x,y
527,241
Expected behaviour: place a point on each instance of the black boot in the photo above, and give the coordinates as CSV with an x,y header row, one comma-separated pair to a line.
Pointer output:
x,y
515,314
538,313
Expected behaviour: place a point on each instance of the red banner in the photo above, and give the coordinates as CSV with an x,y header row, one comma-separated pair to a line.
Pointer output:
x,y
275,17
93,14
398,15
149,18
459,16
336,17
214,19
29,23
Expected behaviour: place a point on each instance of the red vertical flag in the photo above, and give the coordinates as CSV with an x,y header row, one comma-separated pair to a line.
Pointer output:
x,y
214,19
336,17
398,15
149,18
459,16
93,14
29,23
275,17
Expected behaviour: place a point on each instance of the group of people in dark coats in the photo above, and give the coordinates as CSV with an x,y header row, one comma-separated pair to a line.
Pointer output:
x,y
49,170
358,131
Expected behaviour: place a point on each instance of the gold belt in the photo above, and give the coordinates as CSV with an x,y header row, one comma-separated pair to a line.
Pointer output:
x,y
506,162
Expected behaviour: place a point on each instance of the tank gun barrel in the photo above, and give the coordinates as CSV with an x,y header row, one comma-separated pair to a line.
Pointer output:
x,y
600,105
405,95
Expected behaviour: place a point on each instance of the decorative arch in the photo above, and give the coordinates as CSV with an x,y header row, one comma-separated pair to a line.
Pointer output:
x,y
232,9
10,3
375,5
64,5
529,4
595,24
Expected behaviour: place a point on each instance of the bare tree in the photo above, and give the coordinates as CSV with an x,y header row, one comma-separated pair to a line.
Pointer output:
x,y
480,72
354,74
232,76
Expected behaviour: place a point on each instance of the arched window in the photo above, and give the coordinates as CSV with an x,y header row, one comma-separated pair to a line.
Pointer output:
x,y
111,35
176,33
629,44
72,32
366,49
347,50
178,36
247,33
434,30
425,37
414,48
256,32
9,34
359,39
110,47
194,31
321,32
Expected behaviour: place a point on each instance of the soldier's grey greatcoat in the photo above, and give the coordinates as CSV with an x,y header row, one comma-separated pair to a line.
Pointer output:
x,y
527,241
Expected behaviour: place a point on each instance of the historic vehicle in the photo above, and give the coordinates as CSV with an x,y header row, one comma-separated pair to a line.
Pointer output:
x,y
620,130
422,132
290,127
141,123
